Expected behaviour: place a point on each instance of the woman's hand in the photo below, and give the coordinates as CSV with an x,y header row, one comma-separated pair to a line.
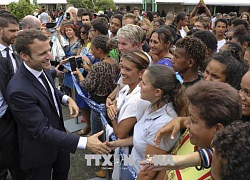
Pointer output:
x,y
112,144
112,112
79,74
172,128
86,63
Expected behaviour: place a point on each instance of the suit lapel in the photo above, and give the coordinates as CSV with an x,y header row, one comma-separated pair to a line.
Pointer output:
x,y
36,83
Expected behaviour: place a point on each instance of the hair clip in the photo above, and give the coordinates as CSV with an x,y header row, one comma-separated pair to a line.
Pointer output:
x,y
178,77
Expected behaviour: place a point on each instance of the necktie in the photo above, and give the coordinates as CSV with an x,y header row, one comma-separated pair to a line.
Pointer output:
x,y
7,49
45,82
10,65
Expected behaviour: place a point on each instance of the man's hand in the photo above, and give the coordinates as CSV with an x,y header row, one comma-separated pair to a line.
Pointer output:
x,y
73,108
96,146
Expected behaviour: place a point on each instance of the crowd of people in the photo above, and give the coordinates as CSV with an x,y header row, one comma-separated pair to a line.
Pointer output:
x,y
176,85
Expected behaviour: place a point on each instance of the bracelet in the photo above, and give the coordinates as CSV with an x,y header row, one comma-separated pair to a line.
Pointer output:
x,y
206,158
201,166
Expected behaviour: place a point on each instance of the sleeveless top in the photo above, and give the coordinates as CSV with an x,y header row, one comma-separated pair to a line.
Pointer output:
x,y
184,147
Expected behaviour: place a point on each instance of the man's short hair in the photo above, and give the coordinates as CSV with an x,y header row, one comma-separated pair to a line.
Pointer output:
x,y
223,20
101,25
27,37
6,19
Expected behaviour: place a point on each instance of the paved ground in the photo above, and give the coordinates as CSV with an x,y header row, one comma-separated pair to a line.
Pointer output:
x,y
79,169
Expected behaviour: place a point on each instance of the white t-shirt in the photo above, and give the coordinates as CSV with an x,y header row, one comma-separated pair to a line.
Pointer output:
x,y
220,44
183,33
129,105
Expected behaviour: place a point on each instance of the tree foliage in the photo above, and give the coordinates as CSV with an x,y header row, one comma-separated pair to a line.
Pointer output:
x,y
93,4
21,9
105,4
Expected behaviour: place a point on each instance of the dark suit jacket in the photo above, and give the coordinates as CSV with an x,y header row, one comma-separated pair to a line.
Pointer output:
x,y
40,130
8,130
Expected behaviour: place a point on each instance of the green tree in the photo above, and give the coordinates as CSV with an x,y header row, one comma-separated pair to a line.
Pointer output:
x,y
93,4
21,9
104,4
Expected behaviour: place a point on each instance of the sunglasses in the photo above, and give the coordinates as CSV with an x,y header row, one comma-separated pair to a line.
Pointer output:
x,y
83,32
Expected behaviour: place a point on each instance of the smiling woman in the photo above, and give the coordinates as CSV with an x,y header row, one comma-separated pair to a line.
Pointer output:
x,y
129,107
160,43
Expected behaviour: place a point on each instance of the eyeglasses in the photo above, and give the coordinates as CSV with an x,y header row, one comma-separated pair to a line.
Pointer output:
x,y
83,32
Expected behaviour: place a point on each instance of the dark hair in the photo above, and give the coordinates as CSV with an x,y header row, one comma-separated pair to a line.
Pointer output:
x,y
156,13
180,16
105,16
235,69
160,21
231,20
150,16
217,102
87,14
241,35
235,49
101,25
164,78
194,47
164,35
119,17
172,29
139,58
232,145
208,38
238,22
192,31
86,28
102,42
27,37
223,20
80,11
6,19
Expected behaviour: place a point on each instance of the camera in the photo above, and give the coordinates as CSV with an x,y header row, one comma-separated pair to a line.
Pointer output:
x,y
79,61
51,27
67,15
75,62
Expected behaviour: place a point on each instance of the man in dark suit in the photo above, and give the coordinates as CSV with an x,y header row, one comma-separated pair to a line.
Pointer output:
x,y
9,63
35,104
